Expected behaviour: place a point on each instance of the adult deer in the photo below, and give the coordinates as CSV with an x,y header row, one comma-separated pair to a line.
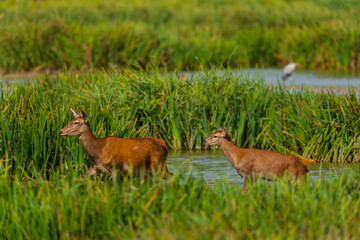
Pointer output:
x,y
251,163
139,155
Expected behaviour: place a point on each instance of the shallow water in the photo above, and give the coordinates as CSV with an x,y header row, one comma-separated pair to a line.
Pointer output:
x,y
213,165
269,75
300,78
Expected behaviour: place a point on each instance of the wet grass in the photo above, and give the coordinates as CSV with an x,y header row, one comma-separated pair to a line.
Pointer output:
x,y
82,35
182,111
67,207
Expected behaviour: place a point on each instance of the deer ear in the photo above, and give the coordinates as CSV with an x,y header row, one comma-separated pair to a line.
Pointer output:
x,y
75,113
84,116
218,128
225,130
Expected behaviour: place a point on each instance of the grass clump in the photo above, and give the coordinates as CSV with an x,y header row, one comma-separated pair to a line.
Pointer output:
x,y
81,35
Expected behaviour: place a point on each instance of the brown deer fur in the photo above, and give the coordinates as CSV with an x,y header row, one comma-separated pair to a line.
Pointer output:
x,y
256,162
140,155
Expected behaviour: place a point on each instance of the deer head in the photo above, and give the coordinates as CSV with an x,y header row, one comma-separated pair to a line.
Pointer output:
x,y
218,137
77,126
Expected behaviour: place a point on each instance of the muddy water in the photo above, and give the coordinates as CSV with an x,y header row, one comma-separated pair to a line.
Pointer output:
x,y
213,165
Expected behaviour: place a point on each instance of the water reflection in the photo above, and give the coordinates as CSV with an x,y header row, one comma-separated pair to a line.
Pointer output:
x,y
213,165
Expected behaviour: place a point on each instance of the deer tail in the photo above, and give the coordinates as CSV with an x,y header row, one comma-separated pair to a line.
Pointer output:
x,y
306,161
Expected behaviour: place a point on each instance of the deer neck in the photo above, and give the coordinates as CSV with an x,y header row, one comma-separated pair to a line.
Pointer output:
x,y
90,143
231,151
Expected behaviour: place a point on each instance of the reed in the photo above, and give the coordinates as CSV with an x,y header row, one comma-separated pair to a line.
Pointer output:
x,y
81,35
182,111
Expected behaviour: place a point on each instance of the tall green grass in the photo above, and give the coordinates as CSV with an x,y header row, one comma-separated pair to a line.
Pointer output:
x,y
182,111
81,35
43,197
182,208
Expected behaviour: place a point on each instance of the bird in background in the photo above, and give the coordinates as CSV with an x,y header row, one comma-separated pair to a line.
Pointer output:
x,y
288,71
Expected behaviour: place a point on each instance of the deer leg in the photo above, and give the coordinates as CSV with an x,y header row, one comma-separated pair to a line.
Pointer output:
x,y
166,174
246,180
244,176
91,171
244,185
160,169
299,179
103,170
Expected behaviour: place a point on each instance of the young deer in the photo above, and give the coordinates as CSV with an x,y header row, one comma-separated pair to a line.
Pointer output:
x,y
251,163
139,155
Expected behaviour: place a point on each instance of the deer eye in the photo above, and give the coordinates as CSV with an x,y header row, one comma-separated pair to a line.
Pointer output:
x,y
215,136
76,122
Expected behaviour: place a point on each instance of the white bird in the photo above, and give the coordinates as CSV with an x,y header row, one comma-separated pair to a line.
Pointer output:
x,y
288,70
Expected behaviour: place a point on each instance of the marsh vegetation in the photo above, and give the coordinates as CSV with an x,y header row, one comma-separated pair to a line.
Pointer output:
x,y
82,35
120,63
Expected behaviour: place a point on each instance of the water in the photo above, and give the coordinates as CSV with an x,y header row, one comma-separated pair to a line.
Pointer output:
x,y
299,78
213,165
270,75
6,84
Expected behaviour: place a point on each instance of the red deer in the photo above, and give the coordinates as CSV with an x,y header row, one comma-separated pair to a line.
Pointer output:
x,y
139,155
251,163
